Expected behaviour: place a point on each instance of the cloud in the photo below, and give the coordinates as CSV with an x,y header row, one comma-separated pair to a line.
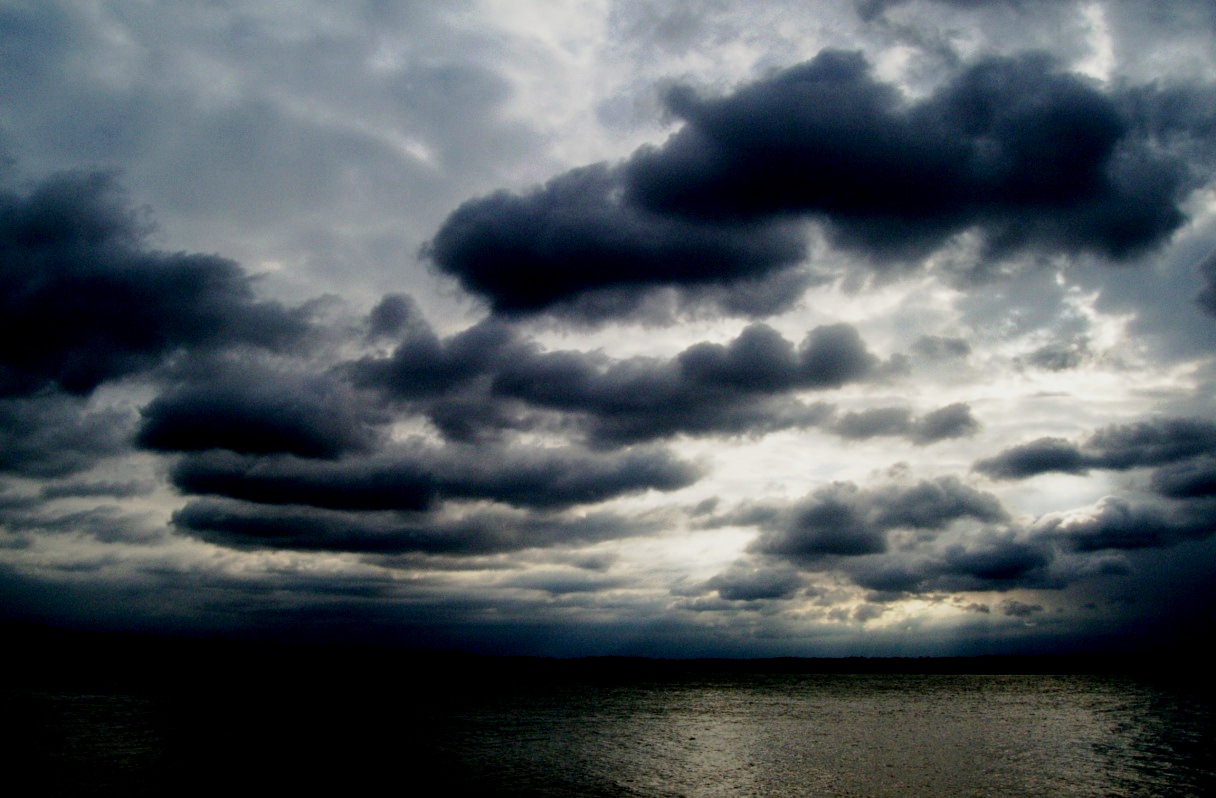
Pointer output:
x,y
1030,155
575,235
938,347
706,388
488,378
874,422
422,365
1148,443
92,489
83,301
258,411
744,582
1037,457
1192,479
1118,523
1060,355
564,583
845,520
486,531
414,477
988,560
28,517
1159,441
951,421
1207,297
1019,609
56,435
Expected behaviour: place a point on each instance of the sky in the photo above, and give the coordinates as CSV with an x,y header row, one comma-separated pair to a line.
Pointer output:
x,y
585,327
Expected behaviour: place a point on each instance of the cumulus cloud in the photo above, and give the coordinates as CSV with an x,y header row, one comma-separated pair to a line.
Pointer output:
x,y
1192,479
257,411
951,421
745,582
481,531
576,234
1160,441
1119,523
845,520
488,378
1037,457
1030,155
414,477
83,300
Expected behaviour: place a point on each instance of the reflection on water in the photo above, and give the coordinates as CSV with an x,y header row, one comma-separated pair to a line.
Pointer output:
x,y
835,735
734,735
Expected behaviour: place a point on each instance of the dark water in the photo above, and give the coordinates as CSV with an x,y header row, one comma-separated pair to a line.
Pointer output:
x,y
725,735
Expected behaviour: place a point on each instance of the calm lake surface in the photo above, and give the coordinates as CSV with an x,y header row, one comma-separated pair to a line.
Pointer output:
x,y
732,734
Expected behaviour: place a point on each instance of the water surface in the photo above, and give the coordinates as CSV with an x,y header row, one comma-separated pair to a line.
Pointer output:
x,y
699,734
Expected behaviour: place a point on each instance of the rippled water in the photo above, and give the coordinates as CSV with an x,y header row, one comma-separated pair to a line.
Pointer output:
x,y
731,735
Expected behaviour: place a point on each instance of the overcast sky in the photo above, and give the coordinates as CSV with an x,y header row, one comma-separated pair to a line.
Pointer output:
x,y
605,327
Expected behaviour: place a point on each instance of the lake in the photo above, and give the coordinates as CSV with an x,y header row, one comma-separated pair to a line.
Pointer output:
x,y
635,733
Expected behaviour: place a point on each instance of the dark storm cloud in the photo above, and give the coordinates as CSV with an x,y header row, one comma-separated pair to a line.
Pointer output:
x,y
415,477
1158,442
243,525
990,560
1195,479
994,558
56,435
576,234
1037,457
257,411
1119,523
707,388
488,378
1032,156
744,582
423,365
393,316
83,300
984,560
951,421
843,519
1149,443
760,360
